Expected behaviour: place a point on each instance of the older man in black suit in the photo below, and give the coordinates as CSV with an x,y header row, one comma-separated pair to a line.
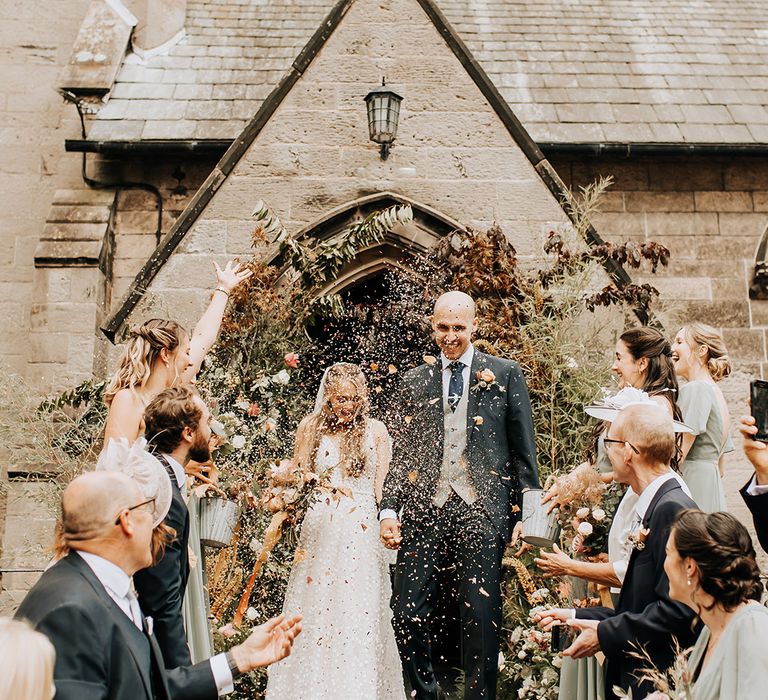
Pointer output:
x,y
462,451
85,605
755,491
640,445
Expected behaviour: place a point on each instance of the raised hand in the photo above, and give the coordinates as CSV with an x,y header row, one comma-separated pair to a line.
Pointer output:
x,y
389,533
232,275
755,450
267,643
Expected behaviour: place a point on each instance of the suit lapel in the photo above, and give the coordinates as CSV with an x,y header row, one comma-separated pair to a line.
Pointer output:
x,y
473,396
137,643
434,407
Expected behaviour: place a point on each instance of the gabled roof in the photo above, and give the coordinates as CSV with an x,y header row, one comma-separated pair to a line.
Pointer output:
x,y
246,138
678,71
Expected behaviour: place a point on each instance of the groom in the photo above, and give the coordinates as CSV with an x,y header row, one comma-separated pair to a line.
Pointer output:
x,y
463,450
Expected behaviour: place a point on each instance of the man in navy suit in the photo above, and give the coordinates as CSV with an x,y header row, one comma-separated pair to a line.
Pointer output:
x,y
755,491
177,428
463,450
640,444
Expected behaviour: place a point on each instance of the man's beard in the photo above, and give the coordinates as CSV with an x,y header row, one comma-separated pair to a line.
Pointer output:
x,y
199,451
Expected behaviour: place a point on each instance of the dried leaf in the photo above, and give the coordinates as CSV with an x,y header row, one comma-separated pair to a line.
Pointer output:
x,y
309,580
478,420
392,369
364,526
430,359
374,366
412,476
408,419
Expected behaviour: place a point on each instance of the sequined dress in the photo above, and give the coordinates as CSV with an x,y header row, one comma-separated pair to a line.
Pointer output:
x,y
342,588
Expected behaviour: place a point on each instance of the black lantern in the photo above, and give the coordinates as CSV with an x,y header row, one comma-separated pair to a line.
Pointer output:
x,y
383,112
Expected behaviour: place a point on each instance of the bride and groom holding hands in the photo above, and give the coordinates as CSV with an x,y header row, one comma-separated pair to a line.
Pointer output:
x,y
444,489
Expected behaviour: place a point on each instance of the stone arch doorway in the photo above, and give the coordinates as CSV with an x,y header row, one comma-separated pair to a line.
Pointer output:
x,y
385,327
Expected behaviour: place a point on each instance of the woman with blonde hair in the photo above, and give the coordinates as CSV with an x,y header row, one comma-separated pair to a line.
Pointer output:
x,y
700,357
341,581
159,354
27,660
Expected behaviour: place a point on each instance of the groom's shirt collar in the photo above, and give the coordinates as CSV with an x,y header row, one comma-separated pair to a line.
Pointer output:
x,y
465,359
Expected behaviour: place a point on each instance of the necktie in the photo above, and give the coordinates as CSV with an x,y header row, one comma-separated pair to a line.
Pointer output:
x,y
456,384
133,604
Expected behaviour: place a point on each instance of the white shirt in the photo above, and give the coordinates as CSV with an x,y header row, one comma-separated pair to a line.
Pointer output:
x,y
118,584
755,489
178,472
466,359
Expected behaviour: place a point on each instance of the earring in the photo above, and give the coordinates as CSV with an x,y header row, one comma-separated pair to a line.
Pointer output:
x,y
689,582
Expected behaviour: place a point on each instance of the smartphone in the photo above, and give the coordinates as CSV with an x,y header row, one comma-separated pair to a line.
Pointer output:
x,y
758,395
562,637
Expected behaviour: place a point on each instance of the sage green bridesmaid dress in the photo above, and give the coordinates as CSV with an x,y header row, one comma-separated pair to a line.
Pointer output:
x,y
702,413
196,605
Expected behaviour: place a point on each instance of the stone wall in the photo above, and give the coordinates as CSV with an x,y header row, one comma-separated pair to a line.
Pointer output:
x,y
710,212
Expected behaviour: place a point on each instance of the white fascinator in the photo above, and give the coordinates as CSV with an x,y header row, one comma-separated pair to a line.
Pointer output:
x,y
144,468
629,396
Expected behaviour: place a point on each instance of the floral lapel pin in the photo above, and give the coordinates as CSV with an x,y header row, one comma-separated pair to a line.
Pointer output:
x,y
485,379
637,539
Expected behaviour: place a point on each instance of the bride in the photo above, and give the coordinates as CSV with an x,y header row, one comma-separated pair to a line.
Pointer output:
x,y
341,584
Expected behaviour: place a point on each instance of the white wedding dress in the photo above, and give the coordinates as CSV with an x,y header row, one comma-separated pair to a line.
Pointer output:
x,y
342,588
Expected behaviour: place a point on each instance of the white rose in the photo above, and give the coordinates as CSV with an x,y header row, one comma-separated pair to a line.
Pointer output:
x,y
251,614
598,514
282,377
521,655
582,513
585,529
238,442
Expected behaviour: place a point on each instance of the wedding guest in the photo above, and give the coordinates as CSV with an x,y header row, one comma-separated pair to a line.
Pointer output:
x,y
177,429
755,491
160,354
712,569
341,581
26,662
700,357
86,606
641,443
642,360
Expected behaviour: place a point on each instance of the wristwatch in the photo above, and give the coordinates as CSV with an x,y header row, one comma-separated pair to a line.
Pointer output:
x,y
233,668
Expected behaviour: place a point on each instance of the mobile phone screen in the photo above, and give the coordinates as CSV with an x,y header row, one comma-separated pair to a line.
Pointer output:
x,y
758,390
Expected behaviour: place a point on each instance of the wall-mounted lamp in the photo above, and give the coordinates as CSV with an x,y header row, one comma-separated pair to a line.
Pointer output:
x,y
383,113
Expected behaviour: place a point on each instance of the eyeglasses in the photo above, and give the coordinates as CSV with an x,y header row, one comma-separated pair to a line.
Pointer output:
x,y
608,441
138,505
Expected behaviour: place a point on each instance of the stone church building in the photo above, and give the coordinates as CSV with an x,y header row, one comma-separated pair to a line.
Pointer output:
x,y
174,117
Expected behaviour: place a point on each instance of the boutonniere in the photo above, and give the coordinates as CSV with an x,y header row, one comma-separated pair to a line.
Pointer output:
x,y
637,539
485,379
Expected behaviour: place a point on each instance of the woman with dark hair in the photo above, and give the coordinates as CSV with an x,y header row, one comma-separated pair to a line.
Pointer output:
x,y
712,569
341,582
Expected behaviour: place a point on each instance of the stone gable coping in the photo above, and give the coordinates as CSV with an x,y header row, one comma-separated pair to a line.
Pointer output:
x,y
238,148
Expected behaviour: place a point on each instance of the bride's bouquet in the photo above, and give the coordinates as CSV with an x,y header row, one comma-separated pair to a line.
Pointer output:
x,y
289,495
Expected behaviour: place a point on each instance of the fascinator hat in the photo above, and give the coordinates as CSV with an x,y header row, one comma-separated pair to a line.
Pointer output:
x,y
629,396
143,468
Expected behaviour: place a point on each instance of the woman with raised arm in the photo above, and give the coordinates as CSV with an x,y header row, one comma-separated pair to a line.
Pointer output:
x,y
700,358
160,354
341,584
712,569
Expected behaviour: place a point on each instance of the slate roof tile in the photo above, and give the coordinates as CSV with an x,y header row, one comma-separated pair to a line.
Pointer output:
x,y
673,71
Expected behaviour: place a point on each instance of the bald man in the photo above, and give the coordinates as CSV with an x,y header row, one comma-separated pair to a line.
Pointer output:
x,y
640,444
463,450
85,605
